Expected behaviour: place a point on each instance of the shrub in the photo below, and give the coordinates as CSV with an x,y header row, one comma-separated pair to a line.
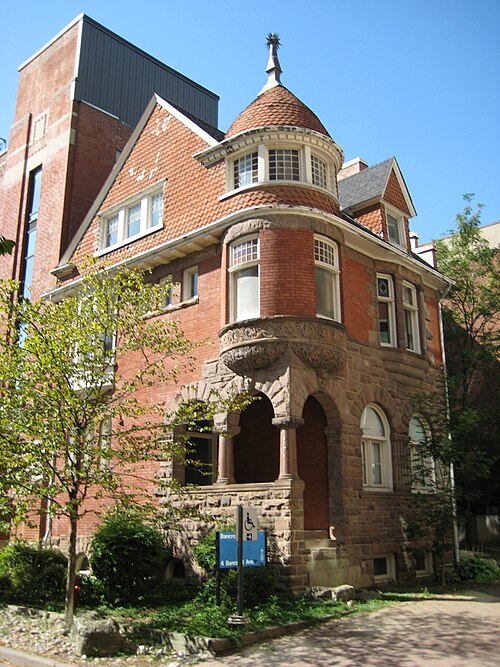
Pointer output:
x,y
128,556
31,575
475,568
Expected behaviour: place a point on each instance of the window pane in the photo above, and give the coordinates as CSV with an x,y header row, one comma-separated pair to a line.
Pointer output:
x,y
156,209
383,322
325,293
410,341
379,566
194,283
245,170
284,165
376,463
393,228
133,220
363,461
246,286
111,231
318,170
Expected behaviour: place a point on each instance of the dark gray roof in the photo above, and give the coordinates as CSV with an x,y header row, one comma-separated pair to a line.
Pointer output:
x,y
365,185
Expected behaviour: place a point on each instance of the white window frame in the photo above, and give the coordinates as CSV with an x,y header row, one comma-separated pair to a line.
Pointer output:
x,y
326,259
423,467
284,150
398,224
250,245
259,158
121,216
410,309
190,283
373,441
251,159
391,310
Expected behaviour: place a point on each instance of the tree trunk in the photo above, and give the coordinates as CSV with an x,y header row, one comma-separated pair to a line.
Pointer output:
x,y
70,583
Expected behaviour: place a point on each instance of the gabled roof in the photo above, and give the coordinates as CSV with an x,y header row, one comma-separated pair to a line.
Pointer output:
x,y
155,101
370,185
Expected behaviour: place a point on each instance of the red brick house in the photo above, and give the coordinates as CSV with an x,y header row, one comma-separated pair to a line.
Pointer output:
x,y
300,272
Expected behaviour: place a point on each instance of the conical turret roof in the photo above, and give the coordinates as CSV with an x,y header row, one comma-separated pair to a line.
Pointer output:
x,y
275,105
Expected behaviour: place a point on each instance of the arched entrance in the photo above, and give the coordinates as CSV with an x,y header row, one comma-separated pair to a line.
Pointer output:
x,y
312,461
256,447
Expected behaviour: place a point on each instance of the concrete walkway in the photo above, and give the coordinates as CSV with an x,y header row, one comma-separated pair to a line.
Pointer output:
x,y
449,631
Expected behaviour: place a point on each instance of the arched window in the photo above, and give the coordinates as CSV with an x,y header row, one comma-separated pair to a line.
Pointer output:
x,y
375,450
201,455
244,279
423,467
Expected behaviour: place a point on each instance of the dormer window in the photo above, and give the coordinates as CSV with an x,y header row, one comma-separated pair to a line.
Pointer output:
x,y
396,228
284,164
246,170
134,219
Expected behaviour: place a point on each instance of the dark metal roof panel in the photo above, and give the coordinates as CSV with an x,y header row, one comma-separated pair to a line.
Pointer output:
x,y
116,76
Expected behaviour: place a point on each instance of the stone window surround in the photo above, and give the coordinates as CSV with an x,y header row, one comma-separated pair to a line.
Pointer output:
x,y
367,442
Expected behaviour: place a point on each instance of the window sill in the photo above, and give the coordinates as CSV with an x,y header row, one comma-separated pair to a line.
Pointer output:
x,y
174,307
377,489
131,239
262,184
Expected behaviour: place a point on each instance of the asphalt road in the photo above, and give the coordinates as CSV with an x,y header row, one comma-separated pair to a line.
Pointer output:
x,y
449,631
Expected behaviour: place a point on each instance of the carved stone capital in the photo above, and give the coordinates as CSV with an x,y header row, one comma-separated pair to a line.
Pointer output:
x,y
287,423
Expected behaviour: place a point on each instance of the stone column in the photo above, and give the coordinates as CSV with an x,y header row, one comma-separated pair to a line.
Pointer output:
x,y
227,427
225,469
288,446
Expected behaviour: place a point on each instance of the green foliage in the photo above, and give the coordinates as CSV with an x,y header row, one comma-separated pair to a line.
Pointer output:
x,y
71,420
30,575
128,557
471,327
205,553
475,568
6,246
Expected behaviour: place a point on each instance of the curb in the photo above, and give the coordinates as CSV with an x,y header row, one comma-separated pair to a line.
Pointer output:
x,y
28,659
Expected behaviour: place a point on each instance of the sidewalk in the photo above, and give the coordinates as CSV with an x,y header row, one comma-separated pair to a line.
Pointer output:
x,y
448,631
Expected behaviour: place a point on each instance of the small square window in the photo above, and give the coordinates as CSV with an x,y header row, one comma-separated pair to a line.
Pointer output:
x,y
384,568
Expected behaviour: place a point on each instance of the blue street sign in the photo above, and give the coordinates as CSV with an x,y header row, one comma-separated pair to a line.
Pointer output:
x,y
254,552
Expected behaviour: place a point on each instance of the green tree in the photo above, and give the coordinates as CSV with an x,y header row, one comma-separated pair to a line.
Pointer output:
x,y
72,425
6,246
471,327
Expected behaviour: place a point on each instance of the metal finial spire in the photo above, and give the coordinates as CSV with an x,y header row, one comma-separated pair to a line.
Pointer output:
x,y
273,68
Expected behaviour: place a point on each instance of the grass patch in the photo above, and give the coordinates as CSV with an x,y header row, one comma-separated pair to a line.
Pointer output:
x,y
204,618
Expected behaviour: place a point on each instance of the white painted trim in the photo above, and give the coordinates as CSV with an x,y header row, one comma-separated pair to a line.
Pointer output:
x,y
190,124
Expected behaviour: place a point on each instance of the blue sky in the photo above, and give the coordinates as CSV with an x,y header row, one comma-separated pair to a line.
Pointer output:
x,y
418,79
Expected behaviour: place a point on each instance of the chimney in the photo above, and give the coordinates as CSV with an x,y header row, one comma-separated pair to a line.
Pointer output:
x,y
352,167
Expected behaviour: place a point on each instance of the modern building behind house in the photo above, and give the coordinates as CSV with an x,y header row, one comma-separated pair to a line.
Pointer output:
x,y
295,265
